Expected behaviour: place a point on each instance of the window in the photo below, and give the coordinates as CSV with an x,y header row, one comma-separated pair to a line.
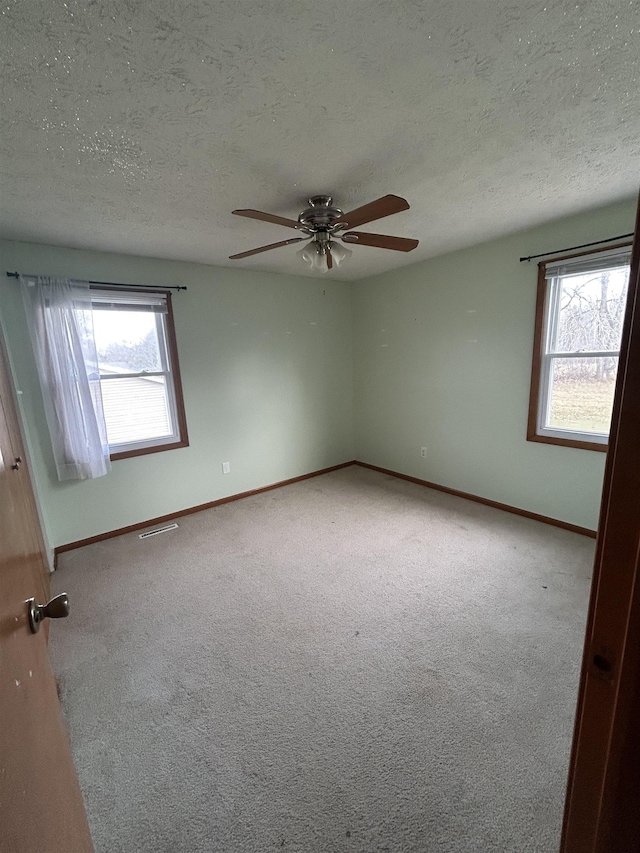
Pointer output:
x,y
138,368
579,316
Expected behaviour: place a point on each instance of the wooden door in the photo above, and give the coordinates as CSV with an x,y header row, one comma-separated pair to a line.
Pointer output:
x,y
41,808
602,810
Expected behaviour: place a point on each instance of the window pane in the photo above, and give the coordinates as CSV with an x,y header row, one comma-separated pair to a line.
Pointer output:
x,y
591,310
136,408
127,341
582,393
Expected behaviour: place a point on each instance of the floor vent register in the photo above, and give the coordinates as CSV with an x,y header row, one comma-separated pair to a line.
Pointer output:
x,y
157,530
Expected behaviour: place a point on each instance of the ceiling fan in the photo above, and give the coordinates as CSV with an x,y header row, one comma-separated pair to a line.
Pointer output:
x,y
323,225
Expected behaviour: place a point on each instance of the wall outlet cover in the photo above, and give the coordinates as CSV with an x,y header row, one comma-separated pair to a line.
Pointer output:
x,y
226,468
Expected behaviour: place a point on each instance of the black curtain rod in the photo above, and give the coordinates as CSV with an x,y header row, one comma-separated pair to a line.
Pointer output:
x,y
116,283
571,248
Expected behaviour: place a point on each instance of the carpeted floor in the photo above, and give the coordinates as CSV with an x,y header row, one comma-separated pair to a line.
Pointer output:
x,y
351,663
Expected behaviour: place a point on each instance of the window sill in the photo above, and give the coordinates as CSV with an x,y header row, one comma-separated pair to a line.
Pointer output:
x,y
568,442
142,451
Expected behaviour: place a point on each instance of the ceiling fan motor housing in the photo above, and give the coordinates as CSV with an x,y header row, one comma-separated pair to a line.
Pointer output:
x,y
320,214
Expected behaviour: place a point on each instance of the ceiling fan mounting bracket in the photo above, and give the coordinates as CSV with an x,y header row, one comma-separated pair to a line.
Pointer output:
x,y
320,201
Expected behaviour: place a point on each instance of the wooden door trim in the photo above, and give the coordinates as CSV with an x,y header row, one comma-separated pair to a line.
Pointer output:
x,y
601,805
42,805
12,412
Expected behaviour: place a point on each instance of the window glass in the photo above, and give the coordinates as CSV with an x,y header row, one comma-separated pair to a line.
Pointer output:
x,y
140,399
580,315
581,396
136,408
591,311
127,340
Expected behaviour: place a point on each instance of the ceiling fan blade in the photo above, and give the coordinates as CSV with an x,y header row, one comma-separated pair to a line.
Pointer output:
x,y
381,241
377,209
267,217
329,258
266,248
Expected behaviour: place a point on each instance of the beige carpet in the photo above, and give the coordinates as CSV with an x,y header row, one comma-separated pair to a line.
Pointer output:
x,y
351,663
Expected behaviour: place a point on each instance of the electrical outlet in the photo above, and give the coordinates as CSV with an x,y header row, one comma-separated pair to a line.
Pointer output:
x,y
226,468
423,452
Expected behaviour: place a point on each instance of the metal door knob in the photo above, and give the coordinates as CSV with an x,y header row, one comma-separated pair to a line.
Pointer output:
x,y
57,608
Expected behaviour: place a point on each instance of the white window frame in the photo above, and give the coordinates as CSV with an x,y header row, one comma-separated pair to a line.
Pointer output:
x,y
547,316
104,297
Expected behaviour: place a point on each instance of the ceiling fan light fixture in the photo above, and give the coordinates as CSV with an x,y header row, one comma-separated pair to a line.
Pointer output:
x,y
313,255
339,253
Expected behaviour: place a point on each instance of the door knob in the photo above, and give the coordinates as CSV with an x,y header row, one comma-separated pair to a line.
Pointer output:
x,y
54,609
16,463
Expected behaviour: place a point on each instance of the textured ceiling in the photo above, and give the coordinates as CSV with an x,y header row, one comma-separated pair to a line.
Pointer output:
x,y
137,127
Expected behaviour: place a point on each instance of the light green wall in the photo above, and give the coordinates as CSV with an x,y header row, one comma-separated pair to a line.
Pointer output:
x,y
285,375
442,359
266,366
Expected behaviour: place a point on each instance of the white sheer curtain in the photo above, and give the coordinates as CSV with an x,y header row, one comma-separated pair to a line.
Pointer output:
x,y
61,327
